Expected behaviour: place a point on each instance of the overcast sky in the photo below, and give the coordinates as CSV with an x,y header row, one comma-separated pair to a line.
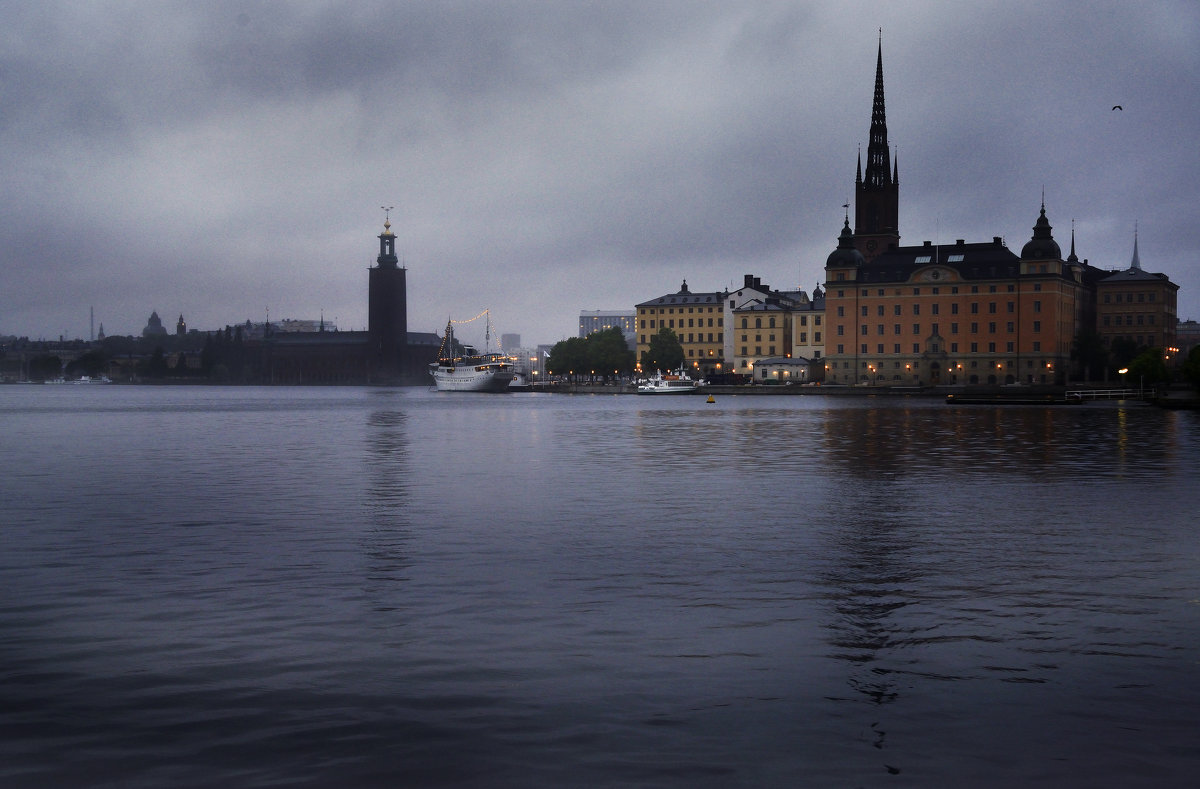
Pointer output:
x,y
222,159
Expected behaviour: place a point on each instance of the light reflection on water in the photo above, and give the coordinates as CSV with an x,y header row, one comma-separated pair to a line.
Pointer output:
x,y
383,587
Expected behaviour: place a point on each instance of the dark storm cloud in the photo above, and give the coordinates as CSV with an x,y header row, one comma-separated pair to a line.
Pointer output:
x,y
220,159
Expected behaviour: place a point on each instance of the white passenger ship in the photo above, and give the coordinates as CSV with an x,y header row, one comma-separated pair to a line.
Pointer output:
x,y
470,370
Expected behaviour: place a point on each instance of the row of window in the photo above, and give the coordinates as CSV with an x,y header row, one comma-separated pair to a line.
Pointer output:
x,y
973,364
935,328
690,337
671,310
692,323
1128,298
935,309
936,291
1009,347
1116,320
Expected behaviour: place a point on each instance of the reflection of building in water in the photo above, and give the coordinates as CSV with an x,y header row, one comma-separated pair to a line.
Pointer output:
x,y
968,313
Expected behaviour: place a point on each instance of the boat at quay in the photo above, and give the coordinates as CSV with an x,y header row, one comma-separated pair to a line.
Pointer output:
x,y
470,371
678,382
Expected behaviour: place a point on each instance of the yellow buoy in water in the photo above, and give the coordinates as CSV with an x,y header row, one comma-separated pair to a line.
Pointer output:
x,y
712,399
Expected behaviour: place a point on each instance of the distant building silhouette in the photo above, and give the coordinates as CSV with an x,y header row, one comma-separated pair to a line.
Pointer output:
x,y
387,353
154,327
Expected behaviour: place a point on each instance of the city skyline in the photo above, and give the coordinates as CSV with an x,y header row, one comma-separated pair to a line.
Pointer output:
x,y
222,161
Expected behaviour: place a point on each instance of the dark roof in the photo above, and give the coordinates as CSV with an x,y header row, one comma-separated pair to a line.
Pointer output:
x,y
684,297
1133,275
971,261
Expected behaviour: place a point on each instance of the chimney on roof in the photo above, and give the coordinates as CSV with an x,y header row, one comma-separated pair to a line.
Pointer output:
x,y
958,242
928,243
997,242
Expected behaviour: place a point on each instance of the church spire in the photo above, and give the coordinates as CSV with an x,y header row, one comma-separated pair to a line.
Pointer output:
x,y
878,167
876,192
1136,264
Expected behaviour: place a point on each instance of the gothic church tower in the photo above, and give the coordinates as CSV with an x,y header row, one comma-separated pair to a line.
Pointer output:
x,y
877,196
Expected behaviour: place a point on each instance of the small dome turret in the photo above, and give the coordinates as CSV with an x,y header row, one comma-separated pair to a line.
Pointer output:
x,y
1042,246
845,254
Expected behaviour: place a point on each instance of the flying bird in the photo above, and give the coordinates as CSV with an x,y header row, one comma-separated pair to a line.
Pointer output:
x,y
1118,107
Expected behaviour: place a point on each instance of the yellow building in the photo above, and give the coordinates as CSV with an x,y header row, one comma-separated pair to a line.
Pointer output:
x,y
698,320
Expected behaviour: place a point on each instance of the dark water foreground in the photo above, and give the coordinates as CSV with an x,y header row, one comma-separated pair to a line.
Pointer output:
x,y
347,587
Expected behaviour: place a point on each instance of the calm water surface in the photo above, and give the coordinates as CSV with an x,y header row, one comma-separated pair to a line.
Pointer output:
x,y
370,587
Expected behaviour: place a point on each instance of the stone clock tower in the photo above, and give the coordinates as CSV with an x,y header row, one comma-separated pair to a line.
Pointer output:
x,y
387,320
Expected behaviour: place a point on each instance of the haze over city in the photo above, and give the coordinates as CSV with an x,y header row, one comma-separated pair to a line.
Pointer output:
x,y
223,160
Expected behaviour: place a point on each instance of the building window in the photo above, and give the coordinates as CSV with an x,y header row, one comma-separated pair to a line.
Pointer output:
x,y
991,327
1011,327
1009,347
991,347
991,308
841,311
954,328
864,311
916,309
879,330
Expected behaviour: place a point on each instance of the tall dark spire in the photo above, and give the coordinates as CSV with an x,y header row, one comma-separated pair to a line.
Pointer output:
x,y
879,171
877,192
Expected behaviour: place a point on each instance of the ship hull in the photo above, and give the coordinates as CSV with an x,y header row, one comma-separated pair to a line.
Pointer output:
x,y
478,378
